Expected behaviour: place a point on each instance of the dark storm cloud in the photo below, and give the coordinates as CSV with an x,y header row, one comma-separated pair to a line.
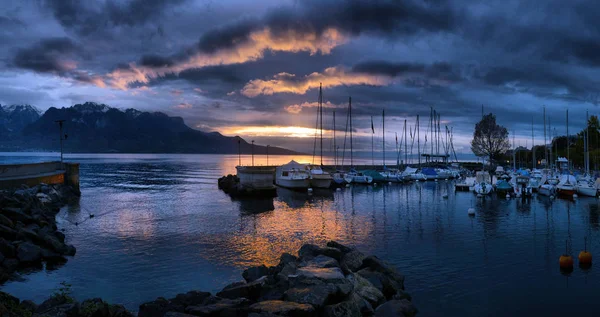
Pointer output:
x,y
440,70
154,61
48,55
86,17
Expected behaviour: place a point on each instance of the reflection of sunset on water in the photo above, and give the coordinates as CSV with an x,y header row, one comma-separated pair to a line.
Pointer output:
x,y
262,238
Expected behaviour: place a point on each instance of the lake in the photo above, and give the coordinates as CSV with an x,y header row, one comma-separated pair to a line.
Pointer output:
x,y
162,227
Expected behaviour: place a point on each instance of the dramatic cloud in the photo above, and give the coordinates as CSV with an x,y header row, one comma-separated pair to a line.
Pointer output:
x,y
54,55
297,108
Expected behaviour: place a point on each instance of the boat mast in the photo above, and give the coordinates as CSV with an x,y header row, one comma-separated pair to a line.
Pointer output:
x,y
532,146
321,118
405,146
350,116
383,131
568,155
372,143
545,145
334,145
587,146
514,152
418,141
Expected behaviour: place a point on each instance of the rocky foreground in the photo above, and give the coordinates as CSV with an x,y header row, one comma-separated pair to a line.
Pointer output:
x,y
28,232
331,281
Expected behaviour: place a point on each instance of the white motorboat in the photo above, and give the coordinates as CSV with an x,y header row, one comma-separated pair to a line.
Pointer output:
x,y
391,175
357,177
411,173
292,175
483,183
535,180
318,177
586,188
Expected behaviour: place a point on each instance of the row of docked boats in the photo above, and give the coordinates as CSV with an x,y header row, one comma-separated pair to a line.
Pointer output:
x,y
296,175
523,183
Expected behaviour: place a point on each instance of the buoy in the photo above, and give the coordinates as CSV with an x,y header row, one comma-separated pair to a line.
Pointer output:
x,y
389,183
417,180
446,179
310,190
436,180
575,196
507,196
445,196
471,211
566,261
585,257
375,184
551,197
338,189
347,185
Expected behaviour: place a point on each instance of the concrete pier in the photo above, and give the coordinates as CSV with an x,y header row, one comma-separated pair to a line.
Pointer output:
x,y
15,175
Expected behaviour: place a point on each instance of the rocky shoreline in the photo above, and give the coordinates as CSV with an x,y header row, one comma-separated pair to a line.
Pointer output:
x,y
332,280
28,233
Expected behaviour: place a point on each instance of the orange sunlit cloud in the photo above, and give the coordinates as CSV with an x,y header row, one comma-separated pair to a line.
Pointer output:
x,y
272,131
259,42
331,77
183,105
297,108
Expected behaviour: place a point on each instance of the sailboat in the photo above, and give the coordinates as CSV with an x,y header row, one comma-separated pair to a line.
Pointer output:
x,y
567,182
354,176
318,177
388,175
585,186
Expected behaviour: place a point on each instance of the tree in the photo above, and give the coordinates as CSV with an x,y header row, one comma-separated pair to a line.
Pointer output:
x,y
489,138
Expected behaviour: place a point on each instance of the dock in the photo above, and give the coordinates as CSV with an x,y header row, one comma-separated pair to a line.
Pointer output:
x,y
16,175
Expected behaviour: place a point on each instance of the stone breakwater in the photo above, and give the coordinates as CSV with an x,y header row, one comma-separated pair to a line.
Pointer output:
x,y
331,281
28,232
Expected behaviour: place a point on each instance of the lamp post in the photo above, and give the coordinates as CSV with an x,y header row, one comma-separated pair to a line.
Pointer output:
x,y
239,153
60,125
252,152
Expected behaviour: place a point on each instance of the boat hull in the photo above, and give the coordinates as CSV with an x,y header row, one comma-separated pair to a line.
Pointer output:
x,y
320,182
546,190
587,191
566,191
294,183
482,189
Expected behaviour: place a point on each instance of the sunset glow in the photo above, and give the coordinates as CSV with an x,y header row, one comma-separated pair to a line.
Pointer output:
x,y
274,131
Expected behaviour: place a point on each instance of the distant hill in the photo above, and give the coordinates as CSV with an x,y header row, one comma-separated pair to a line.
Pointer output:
x,y
16,117
98,128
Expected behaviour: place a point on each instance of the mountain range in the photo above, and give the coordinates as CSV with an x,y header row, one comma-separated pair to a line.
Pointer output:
x,y
98,128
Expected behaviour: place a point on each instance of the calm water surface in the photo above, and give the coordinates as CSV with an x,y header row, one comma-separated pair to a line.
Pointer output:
x,y
162,227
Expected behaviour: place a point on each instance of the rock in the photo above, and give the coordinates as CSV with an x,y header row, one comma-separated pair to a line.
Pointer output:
x,y
365,307
28,235
402,295
281,308
29,253
322,261
7,233
253,273
308,251
52,302
6,222
343,309
227,307
119,311
156,308
190,298
353,260
366,290
28,305
325,274
16,214
10,264
7,248
274,291
64,310
52,256
94,308
386,284
339,246
60,236
8,300
176,314
70,250
246,290
379,265
286,258
396,308
315,295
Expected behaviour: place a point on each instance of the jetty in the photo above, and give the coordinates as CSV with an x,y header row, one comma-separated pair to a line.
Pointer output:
x,y
50,173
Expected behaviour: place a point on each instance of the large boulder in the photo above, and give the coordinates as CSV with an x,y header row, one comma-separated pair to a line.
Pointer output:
x,y
16,214
155,308
10,264
5,221
29,253
324,274
7,248
353,260
339,246
253,273
343,309
246,290
396,308
387,285
282,308
7,233
188,299
366,290
310,251
315,295
94,308
322,261
225,307
376,264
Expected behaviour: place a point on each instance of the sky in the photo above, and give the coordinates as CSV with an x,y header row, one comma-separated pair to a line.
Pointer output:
x,y
253,68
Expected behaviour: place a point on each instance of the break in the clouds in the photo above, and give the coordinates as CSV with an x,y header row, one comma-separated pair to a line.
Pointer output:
x,y
254,67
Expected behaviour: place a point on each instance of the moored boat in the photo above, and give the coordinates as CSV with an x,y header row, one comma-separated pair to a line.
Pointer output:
x,y
566,186
318,177
483,185
292,175
355,177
